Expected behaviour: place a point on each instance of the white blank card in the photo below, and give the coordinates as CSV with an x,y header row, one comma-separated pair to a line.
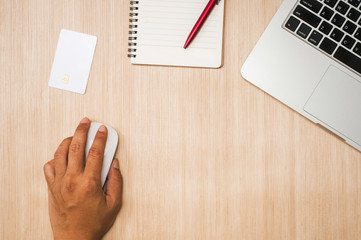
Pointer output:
x,y
72,62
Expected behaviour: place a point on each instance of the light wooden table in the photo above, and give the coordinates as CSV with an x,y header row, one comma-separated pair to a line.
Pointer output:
x,y
204,154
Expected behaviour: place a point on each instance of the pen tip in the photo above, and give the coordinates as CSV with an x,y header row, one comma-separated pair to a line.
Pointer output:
x,y
186,44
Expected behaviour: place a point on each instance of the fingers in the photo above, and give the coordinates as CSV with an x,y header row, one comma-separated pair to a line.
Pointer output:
x,y
94,162
49,172
77,147
61,157
114,187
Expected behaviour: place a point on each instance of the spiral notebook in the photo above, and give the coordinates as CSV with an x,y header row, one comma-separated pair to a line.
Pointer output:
x,y
159,29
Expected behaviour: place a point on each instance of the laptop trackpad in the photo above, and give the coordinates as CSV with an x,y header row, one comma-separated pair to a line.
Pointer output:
x,y
336,102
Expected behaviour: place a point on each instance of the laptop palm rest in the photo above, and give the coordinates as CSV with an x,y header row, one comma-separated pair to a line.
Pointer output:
x,y
336,102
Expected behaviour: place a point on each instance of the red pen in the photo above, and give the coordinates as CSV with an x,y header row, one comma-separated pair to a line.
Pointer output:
x,y
202,19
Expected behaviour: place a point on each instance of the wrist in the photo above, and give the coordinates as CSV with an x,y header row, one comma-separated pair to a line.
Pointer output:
x,y
75,236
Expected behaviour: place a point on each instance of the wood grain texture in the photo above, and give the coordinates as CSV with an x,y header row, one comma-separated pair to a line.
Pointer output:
x,y
204,154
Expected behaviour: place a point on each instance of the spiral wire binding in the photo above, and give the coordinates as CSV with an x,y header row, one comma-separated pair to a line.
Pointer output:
x,y
133,19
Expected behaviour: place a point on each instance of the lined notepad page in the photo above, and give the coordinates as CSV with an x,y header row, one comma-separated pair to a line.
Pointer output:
x,y
163,28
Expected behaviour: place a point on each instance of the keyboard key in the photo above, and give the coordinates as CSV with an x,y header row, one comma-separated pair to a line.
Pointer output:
x,y
342,7
331,3
354,3
358,34
292,23
315,38
328,46
348,58
307,16
357,49
348,42
313,5
325,28
304,30
349,27
326,13
336,35
353,14
338,20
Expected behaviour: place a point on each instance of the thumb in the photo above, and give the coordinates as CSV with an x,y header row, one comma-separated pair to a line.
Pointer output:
x,y
49,172
114,187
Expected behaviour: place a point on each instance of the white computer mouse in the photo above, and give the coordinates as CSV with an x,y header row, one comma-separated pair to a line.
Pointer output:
x,y
110,147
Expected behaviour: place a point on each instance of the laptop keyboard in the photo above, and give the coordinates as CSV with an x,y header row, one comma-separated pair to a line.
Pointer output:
x,y
332,26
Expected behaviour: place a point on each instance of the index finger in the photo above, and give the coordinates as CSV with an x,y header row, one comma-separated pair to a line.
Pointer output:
x,y
94,162
77,147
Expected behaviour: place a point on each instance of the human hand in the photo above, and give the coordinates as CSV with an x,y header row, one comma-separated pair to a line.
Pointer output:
x,y
78,206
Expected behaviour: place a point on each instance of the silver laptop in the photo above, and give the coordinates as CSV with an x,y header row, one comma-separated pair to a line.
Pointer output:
x,y
309,58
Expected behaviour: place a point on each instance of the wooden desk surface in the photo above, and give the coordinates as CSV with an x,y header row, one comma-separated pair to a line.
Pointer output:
x,y
204,154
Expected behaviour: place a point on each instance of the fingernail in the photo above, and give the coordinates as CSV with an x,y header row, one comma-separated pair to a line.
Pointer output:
x,y
84,120
116,164
102,128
